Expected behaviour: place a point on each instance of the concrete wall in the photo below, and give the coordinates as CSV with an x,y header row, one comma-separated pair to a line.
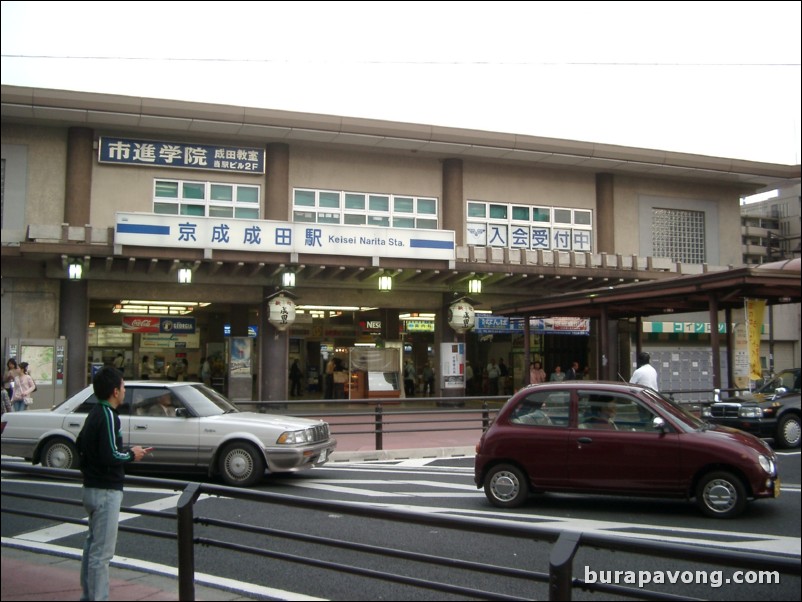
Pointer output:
x,y
36,168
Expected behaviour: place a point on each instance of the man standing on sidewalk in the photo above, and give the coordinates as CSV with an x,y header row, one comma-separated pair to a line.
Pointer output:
x,y
103,460
645,374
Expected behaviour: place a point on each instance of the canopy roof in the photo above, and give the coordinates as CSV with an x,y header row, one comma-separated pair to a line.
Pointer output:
x,y
777,282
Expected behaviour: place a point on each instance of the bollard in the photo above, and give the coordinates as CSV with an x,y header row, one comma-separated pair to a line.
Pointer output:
x,y
561,564
378,426
185,525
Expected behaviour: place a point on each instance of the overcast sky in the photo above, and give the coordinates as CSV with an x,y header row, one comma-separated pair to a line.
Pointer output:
x,y
710,78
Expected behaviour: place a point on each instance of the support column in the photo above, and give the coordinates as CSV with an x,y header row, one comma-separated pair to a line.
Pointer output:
x,y
277,202
605,214
714,343
73,323
604,343
728,337
78,185
390,324
274,356
527,351
453,208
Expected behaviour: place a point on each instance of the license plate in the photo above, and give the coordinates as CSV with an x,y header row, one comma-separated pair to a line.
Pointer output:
x,y
777,487
323,455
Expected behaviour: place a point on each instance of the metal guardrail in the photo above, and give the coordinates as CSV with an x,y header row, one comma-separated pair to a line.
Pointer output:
x,y
417,414
559,576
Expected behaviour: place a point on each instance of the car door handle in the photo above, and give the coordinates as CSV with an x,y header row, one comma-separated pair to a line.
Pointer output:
x,y
584,440
141,427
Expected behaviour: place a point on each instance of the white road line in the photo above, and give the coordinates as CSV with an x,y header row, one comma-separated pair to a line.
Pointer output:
x,y
735,540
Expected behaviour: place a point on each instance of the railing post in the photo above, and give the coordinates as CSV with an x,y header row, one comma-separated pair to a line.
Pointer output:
x,y
561,565
485,416
378,427
185,525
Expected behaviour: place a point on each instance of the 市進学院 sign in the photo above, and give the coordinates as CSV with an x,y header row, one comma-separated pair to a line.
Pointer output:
x,y
127,151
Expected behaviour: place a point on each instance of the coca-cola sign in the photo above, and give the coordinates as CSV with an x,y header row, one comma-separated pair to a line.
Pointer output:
x,y
140,324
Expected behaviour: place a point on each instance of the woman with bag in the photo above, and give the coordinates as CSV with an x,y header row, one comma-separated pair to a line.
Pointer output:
x,y
23,388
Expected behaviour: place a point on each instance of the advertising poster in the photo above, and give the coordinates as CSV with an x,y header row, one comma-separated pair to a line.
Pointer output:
x,y
240,360
40,362
452,365
740,356
755,308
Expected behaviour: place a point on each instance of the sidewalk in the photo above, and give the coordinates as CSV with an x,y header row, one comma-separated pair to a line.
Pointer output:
x,y
54,573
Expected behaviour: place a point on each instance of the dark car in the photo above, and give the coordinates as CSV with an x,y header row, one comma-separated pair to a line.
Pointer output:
x,y
622,439
771,412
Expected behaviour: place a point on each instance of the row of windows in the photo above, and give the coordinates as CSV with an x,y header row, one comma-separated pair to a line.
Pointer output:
x,y
206,199
542,216
489,224
364,209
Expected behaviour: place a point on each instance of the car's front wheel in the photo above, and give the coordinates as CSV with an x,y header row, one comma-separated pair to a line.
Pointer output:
x,y
59,453
721,495
241,464
788,431
506,486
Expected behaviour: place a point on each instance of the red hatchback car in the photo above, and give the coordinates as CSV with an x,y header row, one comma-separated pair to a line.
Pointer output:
x,y
622,439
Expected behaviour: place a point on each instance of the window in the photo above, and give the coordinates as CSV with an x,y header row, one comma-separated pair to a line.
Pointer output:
x,y
613,411
364,209
529,227
543,408
206,199
678,234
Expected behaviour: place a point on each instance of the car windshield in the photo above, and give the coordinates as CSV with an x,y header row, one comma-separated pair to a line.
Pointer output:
x,y
205,401
687,421
789,379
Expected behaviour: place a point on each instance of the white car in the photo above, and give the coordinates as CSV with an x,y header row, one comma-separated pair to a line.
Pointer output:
x,y
189,425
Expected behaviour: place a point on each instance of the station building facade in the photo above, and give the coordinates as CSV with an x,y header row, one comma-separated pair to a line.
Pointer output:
x,y
137,192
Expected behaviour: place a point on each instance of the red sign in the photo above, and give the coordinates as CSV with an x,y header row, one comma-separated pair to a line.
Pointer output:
x,y
140,324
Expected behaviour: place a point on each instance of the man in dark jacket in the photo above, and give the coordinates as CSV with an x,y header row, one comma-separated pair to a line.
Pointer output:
x,y
103,460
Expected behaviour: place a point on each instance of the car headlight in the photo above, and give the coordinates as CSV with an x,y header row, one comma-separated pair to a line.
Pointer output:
x,y
750,412
766,464
292,437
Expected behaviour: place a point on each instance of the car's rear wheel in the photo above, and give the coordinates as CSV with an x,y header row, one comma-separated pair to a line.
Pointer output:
x,y
506,486
721,495
59,453
241,464
788,432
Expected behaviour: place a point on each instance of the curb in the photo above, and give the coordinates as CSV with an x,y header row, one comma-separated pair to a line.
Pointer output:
x,y
402,454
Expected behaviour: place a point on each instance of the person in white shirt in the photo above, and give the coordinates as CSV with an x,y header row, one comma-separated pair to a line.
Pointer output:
x,y
645,375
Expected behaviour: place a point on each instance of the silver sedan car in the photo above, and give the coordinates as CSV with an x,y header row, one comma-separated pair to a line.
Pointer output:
x,y
189,425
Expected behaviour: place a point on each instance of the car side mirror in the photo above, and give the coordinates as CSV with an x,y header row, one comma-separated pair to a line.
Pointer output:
x,y
659,424
181,413
779,392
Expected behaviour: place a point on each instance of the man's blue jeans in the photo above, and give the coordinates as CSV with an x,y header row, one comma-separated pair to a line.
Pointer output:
x,y
103,507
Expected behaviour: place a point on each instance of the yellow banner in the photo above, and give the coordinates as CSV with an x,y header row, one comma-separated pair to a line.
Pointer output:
x,y
755,308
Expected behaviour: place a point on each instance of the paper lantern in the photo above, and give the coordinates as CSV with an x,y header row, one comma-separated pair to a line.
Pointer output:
x,y
461,316
282,312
